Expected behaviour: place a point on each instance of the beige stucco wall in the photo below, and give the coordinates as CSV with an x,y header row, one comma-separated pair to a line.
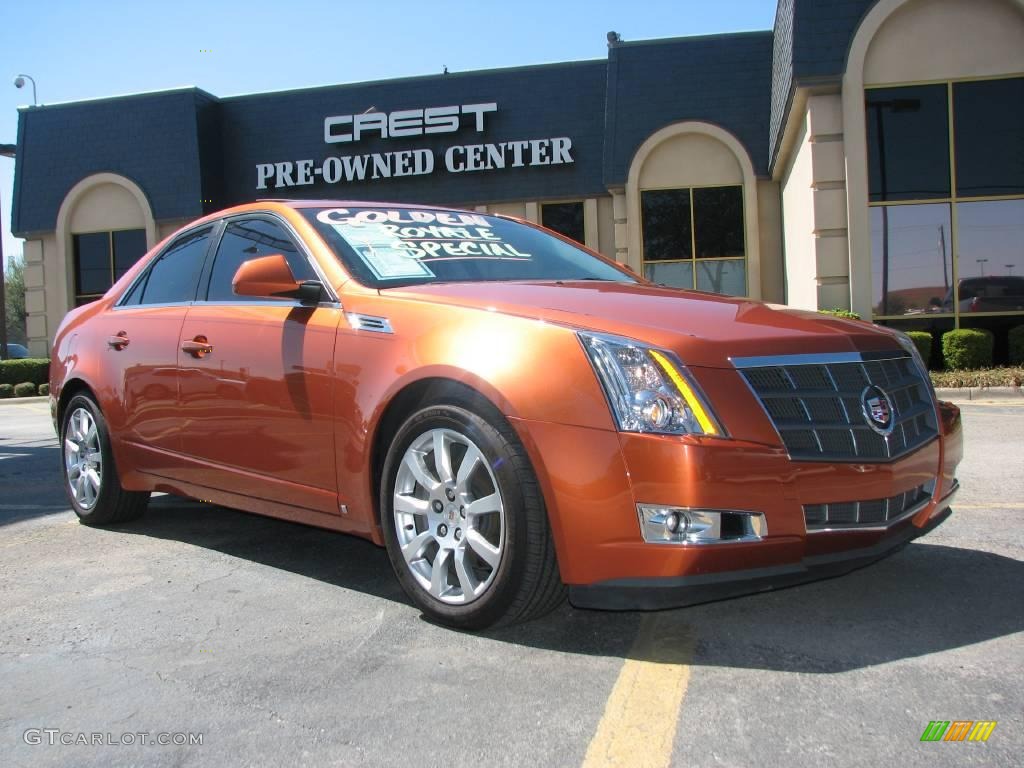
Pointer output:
x,y
814,208
685,154
798,223
605,227
100,203
769,227
947,39
690,159
902,41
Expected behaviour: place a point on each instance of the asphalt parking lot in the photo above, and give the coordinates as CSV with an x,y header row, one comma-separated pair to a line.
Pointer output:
x,y
280,644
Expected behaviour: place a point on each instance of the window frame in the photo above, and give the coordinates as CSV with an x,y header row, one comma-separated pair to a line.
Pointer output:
x,y
330,297
144,273
90,297
644,261
953,200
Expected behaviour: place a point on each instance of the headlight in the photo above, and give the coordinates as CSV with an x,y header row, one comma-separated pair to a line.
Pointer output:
x,y
648,389
908,344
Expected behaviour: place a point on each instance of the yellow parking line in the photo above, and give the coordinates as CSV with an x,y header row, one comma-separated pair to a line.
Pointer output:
x,y
639,723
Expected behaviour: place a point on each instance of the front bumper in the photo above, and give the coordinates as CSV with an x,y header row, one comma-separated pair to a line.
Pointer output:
x,y
679,591
593,481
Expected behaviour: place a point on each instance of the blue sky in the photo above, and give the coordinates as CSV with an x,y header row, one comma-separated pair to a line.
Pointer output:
x,y
92,48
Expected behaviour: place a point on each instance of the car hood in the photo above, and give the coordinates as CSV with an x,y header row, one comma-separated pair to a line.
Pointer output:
x,y
704,329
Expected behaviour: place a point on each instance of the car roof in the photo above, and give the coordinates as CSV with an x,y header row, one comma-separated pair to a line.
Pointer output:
x,y
291,203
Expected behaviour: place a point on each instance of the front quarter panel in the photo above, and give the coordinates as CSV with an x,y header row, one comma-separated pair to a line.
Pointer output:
x,y
530,370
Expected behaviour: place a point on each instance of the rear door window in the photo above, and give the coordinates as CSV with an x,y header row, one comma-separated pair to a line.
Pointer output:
x,y
174,277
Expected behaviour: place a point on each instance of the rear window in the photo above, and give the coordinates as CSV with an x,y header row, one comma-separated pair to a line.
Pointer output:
x,y
391,247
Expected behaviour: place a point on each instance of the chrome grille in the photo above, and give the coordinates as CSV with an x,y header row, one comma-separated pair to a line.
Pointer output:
x,y
815,404
866,514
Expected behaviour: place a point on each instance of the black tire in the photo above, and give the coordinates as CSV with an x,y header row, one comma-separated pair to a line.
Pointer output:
x,y
526,582
112,504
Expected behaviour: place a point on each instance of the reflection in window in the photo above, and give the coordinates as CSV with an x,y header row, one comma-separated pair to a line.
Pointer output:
x,y
565,219
991,276
101,258
251,239
908,143
694,238
989,120
911,264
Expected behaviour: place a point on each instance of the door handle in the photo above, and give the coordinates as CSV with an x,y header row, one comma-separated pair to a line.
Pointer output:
x,y
118,342
197,347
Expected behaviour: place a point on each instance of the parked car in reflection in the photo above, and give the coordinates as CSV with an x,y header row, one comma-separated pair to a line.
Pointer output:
x,y
513,416
991,293
16,352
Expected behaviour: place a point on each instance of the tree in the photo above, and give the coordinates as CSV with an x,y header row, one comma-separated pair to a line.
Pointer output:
x,y
14,284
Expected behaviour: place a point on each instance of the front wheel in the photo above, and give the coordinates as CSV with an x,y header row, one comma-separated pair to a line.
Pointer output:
x,y
464,521
90,477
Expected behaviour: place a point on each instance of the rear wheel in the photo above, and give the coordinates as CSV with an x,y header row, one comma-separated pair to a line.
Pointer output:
x,y
90,476
464,521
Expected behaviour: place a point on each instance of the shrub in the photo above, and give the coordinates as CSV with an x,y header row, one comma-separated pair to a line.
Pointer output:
x,y
1017,345
6,390
44,389
967,348
25,389
843,313
30,369
923,341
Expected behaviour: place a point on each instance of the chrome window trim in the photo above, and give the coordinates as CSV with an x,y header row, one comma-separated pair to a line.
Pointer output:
x,y
823,358
289,303
127,307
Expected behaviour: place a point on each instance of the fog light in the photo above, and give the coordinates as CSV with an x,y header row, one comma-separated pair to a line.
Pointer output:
x,y
680,525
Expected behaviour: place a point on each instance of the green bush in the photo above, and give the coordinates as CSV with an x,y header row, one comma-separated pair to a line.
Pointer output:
x,y
25,389
44,389
844,313
1017,345
967,348
6,390
923,341
30,369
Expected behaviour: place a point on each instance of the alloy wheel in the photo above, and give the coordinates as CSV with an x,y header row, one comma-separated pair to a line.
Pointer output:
x,y
83,458
449,516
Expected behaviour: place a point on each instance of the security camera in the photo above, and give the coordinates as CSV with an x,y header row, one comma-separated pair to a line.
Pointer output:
x,y
19,82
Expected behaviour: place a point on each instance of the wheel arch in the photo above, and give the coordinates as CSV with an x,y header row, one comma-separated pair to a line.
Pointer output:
x,y
440,388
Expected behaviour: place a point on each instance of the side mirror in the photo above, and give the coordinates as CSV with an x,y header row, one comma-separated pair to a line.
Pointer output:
x,y
271,276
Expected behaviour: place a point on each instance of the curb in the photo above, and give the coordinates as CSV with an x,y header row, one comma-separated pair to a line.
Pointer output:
x,y
15,400
979,394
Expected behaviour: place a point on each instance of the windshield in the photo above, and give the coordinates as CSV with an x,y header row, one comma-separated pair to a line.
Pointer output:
x,y
391,247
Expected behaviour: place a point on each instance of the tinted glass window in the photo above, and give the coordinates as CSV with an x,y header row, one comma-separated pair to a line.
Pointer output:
x,y
991,263
911,259
565,219
173,277
129,247
92,263
989,135
665,215
391,247
252,239
718,221
908,142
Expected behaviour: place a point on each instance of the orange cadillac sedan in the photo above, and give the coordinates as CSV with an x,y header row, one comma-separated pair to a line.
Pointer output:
x,y
514,417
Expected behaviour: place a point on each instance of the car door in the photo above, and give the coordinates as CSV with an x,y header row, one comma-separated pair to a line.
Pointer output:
x,y
256,378
139,341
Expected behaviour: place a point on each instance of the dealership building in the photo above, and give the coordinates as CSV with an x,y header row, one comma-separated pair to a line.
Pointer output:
x,y
862,154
